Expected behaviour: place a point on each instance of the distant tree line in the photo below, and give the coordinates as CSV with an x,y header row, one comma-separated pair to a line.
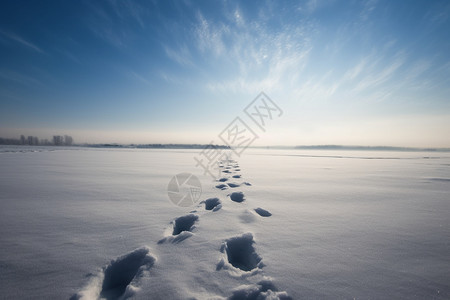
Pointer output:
x,y
178,146
58,140
157,146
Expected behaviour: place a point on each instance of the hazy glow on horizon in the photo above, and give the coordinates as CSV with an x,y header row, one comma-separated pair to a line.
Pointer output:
x,y
359,73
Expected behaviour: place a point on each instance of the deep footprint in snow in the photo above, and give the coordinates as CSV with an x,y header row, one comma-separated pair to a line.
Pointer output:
x,y
262,212
233,185
237,196
241,254
120,276
120,272
222,186
212,204
184,223
223,179
236,176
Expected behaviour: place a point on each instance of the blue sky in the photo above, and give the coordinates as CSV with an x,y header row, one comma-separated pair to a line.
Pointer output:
x,y
344,72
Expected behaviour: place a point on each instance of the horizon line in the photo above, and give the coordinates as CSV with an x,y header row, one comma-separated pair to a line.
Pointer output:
x,y
219,146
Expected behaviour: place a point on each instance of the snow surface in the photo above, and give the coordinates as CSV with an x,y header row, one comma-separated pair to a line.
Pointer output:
x,y
88,223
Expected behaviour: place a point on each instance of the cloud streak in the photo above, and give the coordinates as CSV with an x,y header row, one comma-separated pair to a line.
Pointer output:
x,y
20,78
255,55
20,40
113,21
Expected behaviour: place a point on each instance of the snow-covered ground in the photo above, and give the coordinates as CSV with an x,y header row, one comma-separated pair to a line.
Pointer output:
x,y
89,223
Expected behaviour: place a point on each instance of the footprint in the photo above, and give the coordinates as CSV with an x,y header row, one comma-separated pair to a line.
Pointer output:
x,y
233,185
241,254
212,204
121,272
265,289
226,171
262,212
223,179
237,196
181,229
222,186
236,176
184,223
120,276
247,183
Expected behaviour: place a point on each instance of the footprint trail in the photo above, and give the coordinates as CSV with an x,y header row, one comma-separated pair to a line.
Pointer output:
x,y
237,255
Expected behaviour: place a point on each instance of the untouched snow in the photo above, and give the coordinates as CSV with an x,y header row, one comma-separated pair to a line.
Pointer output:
x,y
86,223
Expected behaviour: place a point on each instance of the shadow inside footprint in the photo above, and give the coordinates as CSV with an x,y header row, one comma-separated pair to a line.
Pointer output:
x,y
237,196
211,203
236,176
223,179
233,185
184,223
120,272
262,212
241,253
222,186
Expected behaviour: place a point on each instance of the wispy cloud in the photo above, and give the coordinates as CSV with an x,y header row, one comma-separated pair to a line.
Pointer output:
x,y
259,56
417,69
101,24
210,36
129,10
20,78
253,56
68,54
356,70
368,7
181,55
137,77
113,21
439,13
20,40
377,77
173,79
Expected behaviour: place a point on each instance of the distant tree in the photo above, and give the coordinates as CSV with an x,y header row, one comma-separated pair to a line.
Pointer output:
x,y
7,141
68,140
58,140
